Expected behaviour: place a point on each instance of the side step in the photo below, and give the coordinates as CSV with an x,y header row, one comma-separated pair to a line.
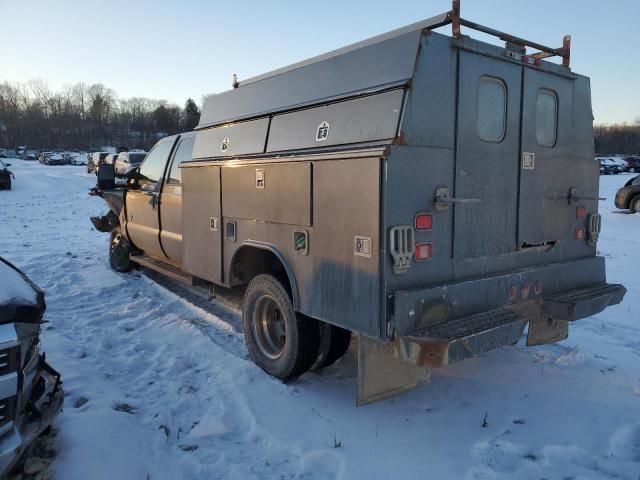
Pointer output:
x,y
163,268
463,338
583,302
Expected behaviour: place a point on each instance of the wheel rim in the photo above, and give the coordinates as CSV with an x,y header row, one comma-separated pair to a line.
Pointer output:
x,y
269,327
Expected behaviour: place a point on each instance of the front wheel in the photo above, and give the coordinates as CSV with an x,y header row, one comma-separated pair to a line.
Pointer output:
x,y
119,250
280,341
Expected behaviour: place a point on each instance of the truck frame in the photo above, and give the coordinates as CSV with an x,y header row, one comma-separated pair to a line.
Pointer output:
x,y
432,194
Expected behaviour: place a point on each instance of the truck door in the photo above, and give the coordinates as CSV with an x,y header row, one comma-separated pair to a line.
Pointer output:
x,y
171,202
487,153
549,165
142,203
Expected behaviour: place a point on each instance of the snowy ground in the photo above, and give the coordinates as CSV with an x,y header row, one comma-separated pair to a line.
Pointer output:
x,y
160,388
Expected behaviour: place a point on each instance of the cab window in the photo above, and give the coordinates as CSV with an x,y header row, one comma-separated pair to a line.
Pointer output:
x,y
492,109
546,118
152,168
183,154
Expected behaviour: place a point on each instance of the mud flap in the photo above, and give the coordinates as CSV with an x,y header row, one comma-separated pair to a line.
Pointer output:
x,y
384,373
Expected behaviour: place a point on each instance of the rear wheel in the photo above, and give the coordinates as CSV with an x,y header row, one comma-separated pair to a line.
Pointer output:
x,y
334,343
119,250
281,342
634,204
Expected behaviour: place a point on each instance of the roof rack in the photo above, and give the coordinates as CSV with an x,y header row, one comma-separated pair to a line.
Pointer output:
x,y
453,18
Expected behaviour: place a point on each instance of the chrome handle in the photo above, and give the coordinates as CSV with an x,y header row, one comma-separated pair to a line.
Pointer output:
x,y
574,197
442,199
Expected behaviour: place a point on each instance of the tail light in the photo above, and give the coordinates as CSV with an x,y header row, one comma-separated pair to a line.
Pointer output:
x,y
524,291
578,233
581,212
424,221
423,251
513,292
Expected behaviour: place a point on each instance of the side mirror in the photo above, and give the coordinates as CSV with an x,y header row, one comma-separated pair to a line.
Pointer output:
x,y
106,177
133,175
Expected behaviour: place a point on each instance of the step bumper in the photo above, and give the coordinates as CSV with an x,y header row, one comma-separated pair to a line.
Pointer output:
x,y
548,318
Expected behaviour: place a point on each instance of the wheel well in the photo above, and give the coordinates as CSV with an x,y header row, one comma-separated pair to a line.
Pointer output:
x,y
249,261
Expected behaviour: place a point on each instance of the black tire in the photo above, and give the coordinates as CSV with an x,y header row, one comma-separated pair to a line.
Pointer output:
x,y
284,344
634,204
334,343
119,250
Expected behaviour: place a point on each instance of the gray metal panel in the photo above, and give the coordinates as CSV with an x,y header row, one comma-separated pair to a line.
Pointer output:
x,y
545,213
346,286
371,66
413,173
285,195
279,237
486,170
365,119
200,203
429,117
240,139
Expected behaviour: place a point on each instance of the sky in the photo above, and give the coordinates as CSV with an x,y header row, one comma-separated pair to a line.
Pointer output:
x,y
178,49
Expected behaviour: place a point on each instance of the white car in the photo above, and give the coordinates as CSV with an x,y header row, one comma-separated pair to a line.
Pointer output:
x,y
79,159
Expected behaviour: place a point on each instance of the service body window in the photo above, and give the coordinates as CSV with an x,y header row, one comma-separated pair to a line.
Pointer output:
x,y
492,109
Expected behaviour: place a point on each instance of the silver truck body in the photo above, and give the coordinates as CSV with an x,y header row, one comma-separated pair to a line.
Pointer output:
x,y
432,194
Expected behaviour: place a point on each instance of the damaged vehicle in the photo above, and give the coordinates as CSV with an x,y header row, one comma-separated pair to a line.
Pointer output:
x,y
5,176
31,393
432,194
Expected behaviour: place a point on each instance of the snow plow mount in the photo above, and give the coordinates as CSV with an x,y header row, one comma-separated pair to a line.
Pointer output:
x,y
453,17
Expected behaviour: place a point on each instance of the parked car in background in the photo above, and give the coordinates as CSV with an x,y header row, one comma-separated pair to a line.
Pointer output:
x,y
620,163
633,163
111,159
20,150
79,158
127,161
3,153
607,167
5,176
30,157
42,158
31,393
55,159
94,160
628,197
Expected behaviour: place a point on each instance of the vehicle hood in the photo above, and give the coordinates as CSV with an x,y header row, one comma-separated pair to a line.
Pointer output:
x,y
21,300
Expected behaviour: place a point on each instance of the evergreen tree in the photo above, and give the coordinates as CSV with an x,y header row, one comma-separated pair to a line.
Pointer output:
x,y
191,115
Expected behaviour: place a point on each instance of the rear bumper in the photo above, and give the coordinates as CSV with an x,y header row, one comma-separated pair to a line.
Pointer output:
x,y
438,326
45,404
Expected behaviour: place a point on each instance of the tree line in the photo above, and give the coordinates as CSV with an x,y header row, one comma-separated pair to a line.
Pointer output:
x,y
620,138
90,116
86,116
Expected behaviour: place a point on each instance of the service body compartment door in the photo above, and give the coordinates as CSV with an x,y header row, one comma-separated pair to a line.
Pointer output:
x,y
550,163
487,155
202,222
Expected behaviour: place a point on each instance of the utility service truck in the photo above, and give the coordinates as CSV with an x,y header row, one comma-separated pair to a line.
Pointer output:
x,y
432,194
